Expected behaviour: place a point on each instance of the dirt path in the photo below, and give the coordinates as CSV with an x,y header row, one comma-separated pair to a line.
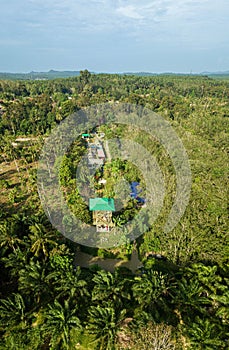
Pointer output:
x,y
107,151
86,260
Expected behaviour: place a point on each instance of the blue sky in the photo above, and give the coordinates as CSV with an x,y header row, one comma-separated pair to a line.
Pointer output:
x,y
114,36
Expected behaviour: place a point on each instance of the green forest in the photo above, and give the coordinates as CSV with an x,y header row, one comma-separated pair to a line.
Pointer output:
x,y
178,299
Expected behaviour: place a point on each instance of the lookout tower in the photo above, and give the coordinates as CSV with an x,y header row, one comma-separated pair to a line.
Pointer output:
x,y
102,209
86,136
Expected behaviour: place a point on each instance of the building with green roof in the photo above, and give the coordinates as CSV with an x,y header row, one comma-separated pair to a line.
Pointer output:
x,y
84,136
102,209
101,204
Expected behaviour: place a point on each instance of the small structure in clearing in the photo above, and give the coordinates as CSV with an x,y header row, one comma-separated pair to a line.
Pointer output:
x,y
102,209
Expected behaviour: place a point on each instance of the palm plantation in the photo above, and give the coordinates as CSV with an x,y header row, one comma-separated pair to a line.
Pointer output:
x,y
178,297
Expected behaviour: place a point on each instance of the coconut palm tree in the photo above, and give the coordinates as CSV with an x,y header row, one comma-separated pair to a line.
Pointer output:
x,y
60,320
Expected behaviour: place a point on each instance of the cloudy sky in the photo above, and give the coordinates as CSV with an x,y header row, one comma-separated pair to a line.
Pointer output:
x,y
114,35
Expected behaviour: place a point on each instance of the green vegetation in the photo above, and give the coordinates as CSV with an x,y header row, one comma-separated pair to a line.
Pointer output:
x,y
179,302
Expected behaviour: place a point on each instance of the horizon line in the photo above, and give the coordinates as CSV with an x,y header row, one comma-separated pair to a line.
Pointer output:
x,y
191,72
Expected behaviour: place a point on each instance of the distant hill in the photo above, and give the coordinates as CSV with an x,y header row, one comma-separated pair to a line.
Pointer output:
x,y
209,74
141,74
217,75
54,74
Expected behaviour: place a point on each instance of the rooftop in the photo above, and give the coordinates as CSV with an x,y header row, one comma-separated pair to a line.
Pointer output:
x,y
103,204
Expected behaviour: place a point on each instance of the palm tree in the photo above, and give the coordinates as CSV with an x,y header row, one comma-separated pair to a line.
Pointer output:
x,y
60,320
25,339
151,294
33,279
12,312
15,261
205,334
73,285
105,322
41,240
8,236
11,152
149,287
110,287
188,294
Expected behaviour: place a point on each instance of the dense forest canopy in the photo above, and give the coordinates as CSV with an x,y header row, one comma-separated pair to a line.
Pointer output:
x,y
178,302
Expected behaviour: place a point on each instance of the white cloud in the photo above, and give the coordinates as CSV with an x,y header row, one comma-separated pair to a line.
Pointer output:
x,y
145,20
108,34
110,14
129,11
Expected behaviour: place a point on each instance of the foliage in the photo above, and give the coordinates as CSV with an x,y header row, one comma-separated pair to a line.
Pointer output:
x,y
179,298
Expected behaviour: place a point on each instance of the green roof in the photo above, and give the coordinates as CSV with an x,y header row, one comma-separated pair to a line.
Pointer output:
x,y
86,135
104,204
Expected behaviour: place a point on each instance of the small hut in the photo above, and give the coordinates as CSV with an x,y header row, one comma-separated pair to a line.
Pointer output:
x,y
102,209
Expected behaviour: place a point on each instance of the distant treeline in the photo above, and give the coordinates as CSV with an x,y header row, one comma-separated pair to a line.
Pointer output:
x,y
53,74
